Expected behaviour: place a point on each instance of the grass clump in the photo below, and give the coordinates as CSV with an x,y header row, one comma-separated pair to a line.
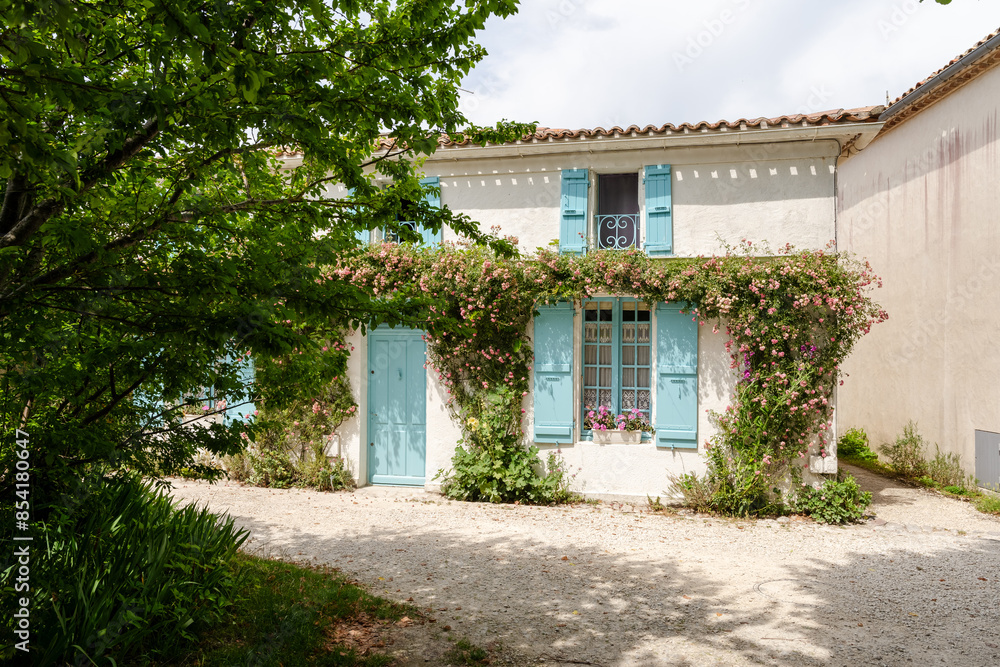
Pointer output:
x,y
987,503
698,493
467,653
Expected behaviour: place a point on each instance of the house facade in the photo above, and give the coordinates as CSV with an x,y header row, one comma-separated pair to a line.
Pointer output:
x,y
681,191
921,204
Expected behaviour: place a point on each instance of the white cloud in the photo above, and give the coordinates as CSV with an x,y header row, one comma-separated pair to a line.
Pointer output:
x,y
588,63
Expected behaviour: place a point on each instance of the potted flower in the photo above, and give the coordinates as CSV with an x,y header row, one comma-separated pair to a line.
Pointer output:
x,y
607,427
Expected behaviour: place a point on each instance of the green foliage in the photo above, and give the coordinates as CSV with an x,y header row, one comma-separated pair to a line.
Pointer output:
x,y
906,454
697,492
149,237
792,318
467,653
286,615
987,503
840,501
118,571
270,464
854,445
271,467
292,448
947,470
505,472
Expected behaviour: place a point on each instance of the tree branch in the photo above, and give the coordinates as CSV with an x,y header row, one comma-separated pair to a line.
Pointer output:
x,y
36,217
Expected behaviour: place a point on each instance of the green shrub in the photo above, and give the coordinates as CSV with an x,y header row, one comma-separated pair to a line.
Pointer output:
x,y
271,467
987,503
698,493
319,472
840,501
505,473
906,455
119,571
854,445
947,470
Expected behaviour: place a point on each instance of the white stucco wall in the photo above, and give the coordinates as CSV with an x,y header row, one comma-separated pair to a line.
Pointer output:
x,y
354,431
921,203
641,469
780,193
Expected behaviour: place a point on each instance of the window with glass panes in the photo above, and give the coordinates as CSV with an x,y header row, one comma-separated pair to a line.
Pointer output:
x,y
617,355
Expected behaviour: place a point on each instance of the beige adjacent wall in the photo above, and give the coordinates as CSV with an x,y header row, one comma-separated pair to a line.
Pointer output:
x,y
922,203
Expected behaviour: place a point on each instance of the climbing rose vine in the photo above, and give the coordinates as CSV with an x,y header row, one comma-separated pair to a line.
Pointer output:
x,y
791,318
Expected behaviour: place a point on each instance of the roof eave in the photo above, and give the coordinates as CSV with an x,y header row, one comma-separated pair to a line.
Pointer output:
x,y
922,96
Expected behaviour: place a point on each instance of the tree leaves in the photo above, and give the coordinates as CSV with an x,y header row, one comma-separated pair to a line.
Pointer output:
x,y
149,228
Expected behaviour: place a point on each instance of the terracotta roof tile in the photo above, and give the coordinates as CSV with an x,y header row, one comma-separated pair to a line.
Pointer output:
x,y
817,119
820,118
951,63
959,71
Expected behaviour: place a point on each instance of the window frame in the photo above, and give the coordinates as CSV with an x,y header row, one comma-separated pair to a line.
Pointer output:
x,y
616,360
594,229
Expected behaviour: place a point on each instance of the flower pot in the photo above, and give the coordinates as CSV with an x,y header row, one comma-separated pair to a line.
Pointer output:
x,y
617,437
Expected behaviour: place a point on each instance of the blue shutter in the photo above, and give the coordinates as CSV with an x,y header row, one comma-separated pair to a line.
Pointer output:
x,y
659,216
553,388
363,235
573,211
676,421
432,239
239,412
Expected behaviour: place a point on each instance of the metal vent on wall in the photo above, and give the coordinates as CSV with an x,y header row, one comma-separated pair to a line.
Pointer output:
x,y
988,459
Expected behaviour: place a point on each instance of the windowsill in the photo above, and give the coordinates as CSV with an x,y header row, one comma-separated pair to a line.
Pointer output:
x,y
588,436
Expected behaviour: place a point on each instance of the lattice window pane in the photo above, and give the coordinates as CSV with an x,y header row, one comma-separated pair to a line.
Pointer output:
x,y
605,377
605,355
606,398
590,355
643,329
643,377
628,377
643,399
590,398
590,377
628,333
590,332
628,356
628,399
606,332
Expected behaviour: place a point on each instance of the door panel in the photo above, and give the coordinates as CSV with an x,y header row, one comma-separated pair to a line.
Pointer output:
x,y
397,409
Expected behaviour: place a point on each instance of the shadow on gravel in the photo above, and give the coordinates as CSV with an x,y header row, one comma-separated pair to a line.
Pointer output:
x,y
884,490
898,607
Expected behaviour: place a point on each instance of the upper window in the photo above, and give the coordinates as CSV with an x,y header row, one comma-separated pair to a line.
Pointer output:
x,y
617,351
617,219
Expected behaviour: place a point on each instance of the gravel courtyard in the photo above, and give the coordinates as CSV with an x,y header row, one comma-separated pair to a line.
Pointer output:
x,y
614,586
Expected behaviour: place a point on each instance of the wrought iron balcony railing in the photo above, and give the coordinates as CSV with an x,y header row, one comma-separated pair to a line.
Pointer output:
x,y
617,231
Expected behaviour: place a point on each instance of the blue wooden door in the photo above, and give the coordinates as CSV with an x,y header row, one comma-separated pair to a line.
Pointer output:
x,y
397,411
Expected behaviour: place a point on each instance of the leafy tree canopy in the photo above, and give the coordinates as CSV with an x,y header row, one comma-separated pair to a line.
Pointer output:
x,y
151,234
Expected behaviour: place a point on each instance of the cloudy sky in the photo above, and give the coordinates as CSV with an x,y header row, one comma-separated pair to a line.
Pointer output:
x,y
589,63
